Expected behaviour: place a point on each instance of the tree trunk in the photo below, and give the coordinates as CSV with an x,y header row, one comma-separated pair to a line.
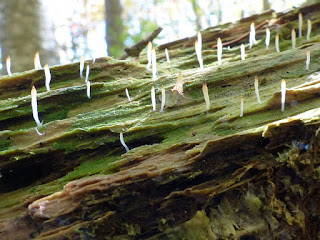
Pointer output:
x,y
24,29
197,13
190,172
48,47
265,5
114,28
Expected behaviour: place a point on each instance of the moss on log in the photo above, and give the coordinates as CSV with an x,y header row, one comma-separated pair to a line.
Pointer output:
x,y
190,173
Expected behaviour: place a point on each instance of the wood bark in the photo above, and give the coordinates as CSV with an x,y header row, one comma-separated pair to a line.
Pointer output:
x,y
190,172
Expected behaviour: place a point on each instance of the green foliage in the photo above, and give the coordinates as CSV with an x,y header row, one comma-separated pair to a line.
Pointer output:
x,y
146,27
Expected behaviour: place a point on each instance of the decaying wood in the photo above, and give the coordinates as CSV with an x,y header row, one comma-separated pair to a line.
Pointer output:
x,y
190,173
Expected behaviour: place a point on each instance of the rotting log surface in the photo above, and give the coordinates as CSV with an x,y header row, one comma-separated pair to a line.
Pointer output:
x,y
190,173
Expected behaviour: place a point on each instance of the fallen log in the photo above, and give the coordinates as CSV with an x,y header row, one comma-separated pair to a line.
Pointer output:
x,y
190,172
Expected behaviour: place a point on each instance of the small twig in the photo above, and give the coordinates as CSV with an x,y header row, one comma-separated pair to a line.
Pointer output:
x,y
134,51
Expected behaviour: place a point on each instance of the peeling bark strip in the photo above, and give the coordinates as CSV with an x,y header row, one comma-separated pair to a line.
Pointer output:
x,y
189,172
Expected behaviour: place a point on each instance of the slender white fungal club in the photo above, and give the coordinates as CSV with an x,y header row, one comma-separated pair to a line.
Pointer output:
x,y
199,53
81,66
252,36
200,49
34,106
243,52
153,98
127,93
277,42
300,24
206,95
123,143
149,50
36,59
8,64
308,59
256,88
283,94
87,73
38,132
219,51
88,89
200,41
241,106
167,55
154,64
309,29
267,38
47,76
179,84
293,38
163,98
196,48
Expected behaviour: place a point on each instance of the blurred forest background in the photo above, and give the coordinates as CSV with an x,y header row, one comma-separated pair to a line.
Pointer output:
x,y
62,31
